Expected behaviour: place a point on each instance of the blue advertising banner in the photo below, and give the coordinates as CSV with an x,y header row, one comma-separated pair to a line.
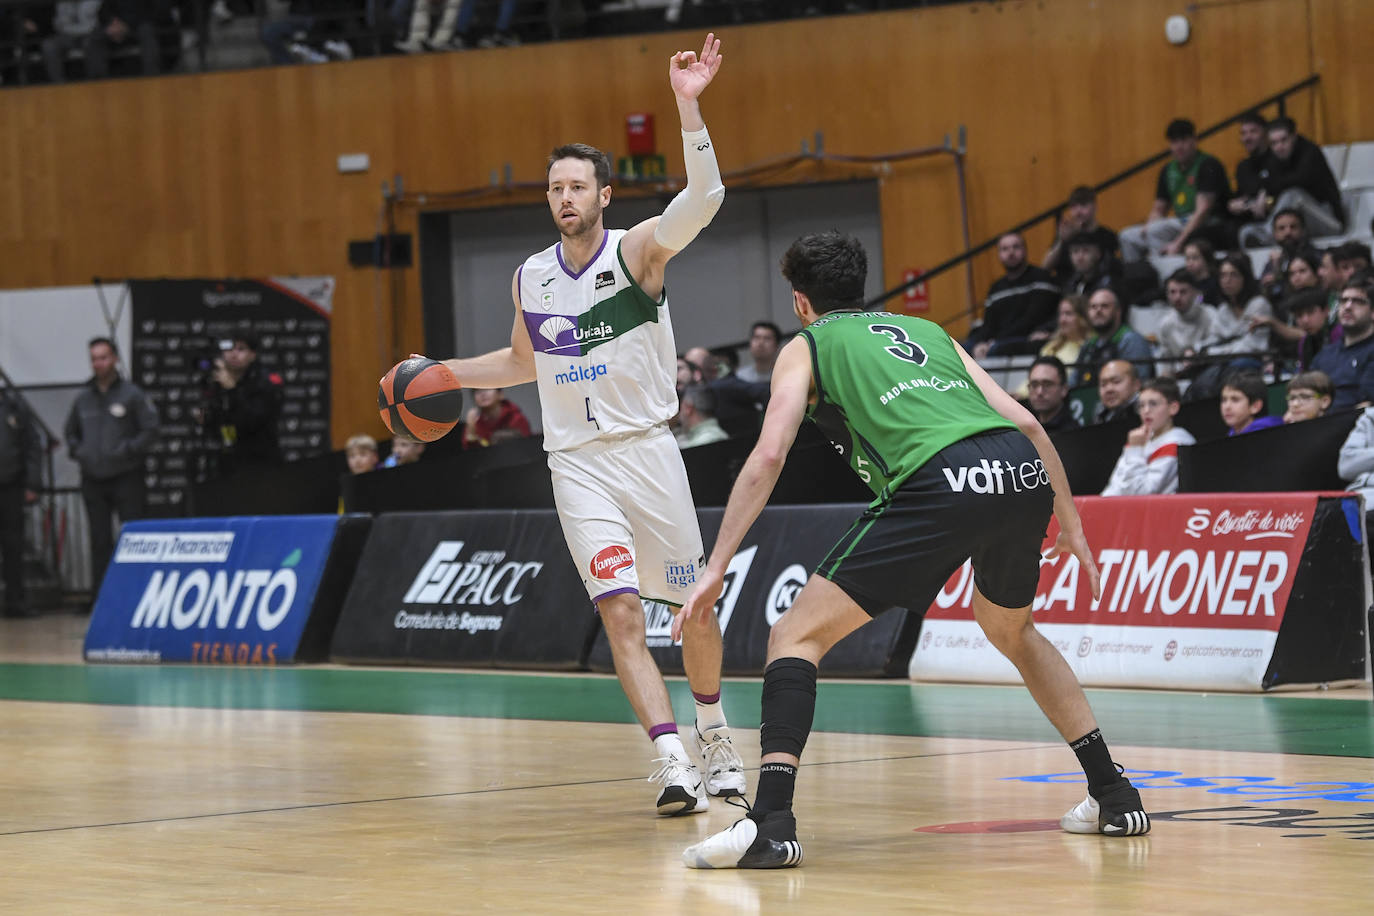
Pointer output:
x,y
235,591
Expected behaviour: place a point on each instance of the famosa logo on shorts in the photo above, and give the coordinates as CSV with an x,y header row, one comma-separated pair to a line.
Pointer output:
x,y
996,477
610,559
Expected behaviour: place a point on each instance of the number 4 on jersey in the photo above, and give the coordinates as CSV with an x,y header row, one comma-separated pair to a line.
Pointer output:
x,y
902,346
590,418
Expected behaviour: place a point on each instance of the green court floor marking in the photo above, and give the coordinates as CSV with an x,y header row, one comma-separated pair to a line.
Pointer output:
x,y
1265,723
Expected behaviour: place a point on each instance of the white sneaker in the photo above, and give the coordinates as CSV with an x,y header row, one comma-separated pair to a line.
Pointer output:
x,y
743,846
409,46
339,50
683,789
724,768
305,54
1082,818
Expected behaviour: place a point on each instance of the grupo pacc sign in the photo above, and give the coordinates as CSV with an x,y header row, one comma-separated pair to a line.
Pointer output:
x,y
1193,593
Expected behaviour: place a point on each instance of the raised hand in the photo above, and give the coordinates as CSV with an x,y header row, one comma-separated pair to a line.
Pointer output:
x,y
689,73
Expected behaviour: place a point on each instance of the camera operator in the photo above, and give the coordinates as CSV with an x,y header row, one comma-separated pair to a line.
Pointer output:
x,y
241,407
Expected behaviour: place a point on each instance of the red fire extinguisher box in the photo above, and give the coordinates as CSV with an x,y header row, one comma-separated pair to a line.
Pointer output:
x,y
639,134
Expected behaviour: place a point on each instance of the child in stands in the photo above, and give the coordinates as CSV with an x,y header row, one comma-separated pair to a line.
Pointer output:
x,y
1243,404
1149,462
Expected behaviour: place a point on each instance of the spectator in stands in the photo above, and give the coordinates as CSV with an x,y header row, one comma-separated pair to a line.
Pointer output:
x,y
1328,275
697,418
764,339
1355,463
1254,173
1091,268
1350,361
1079,217
111,426
1118,387
74,21
1193,186
123,23
1242,320
1350,258
312,31
1301,180
1018,303
1304,271
1243,408
1200,260
361,454
1071,330
1111,339
688,373
242,404
21,470
1312,327
493,420
1189,326
1149,461
1290,234
452,28
404,451
1048,397
1309,396
709,364
739,404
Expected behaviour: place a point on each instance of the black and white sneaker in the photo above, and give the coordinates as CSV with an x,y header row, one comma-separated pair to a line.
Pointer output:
x,y
684,791
750,844
1116,812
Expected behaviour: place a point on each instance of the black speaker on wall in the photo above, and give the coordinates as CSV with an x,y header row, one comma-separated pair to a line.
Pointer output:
x,y
381,251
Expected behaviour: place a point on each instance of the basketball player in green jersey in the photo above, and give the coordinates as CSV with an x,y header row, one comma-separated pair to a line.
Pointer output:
x,y
960,470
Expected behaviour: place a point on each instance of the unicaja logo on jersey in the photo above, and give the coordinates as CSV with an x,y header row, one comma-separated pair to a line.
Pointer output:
x,y
556,325
609,560
602,331
996,477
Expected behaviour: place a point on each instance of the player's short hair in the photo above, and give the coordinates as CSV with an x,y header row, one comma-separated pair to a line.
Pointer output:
x,y
1251,384
829,268
1165,386
1180,129
360,442
601,163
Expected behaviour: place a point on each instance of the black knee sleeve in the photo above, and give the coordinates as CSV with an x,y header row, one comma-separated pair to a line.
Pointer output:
x,y
789,705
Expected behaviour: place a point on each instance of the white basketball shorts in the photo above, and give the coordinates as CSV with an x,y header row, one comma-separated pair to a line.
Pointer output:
x,y
628,518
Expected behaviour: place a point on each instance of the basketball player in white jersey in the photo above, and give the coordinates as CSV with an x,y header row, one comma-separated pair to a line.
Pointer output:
x,y
592,327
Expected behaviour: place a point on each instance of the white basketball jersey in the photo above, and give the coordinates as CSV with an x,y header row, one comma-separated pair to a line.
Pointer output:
x,y
603,350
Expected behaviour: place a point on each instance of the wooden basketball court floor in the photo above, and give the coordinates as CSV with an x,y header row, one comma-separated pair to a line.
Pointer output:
x,y
347,790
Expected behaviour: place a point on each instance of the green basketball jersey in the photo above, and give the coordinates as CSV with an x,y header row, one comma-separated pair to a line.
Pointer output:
x,y
891,392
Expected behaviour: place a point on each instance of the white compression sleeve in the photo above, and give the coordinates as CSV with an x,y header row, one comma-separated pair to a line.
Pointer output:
x,y
695,205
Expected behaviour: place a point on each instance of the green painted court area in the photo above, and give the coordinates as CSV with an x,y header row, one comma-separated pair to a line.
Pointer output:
x,y
1229,722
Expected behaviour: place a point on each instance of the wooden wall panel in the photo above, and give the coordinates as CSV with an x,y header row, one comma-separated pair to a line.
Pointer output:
x,y
234,173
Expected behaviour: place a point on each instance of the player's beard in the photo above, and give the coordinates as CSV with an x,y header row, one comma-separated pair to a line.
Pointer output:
x,y
585,223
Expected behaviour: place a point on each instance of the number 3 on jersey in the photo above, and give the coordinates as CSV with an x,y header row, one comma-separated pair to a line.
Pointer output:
x,y
902,346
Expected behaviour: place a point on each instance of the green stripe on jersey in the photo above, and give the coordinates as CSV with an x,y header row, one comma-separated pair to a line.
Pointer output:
x,y
618,314
891,392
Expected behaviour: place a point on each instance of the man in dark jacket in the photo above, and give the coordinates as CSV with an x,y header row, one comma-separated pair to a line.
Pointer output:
x,y
1301,180
111,426
1020,301
20,470
243,403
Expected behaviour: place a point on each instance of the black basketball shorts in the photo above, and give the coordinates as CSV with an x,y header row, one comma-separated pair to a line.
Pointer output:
x,y
987,497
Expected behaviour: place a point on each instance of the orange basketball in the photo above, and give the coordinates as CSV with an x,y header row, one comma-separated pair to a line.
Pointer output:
x,y
419,398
